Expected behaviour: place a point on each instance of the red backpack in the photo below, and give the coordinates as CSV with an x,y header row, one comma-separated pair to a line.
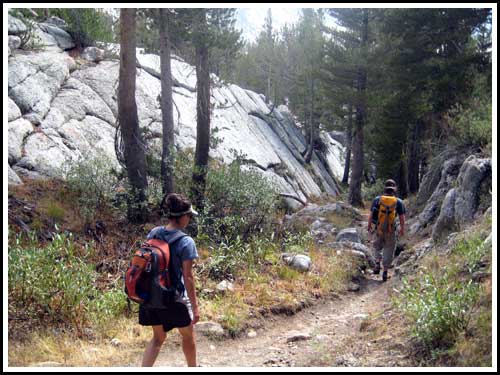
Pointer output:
x,y
147,279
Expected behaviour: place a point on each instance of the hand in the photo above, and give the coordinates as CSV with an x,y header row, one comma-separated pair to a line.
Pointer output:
x,y
401,232
369,228
196,315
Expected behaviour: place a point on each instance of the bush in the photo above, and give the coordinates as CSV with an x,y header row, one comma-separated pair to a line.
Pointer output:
x,y
238,202
57,283
93,183
471,250
371,191
228,258
439,307
55,212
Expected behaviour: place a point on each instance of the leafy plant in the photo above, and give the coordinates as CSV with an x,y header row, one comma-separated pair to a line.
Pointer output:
x,y
472,250
439,307
58,283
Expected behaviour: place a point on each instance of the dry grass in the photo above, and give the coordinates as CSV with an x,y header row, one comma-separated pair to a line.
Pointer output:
x,y
66,350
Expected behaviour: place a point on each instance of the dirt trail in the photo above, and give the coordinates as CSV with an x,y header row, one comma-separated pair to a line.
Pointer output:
x,y
333,327
330,333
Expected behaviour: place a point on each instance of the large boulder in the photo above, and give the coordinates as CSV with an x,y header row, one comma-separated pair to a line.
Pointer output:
x,y
14,178
298,262
446,223
18,131
62,38
14,42
348,234
16,26
472,173
447,176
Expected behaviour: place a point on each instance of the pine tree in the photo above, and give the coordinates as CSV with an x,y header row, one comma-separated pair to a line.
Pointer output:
x,y
129,122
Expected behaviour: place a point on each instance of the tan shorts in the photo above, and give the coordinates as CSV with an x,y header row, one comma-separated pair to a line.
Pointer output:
x,y
384,247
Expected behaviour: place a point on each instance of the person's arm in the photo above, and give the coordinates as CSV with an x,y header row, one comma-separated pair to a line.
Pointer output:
x,y
370,222
401,225
187,273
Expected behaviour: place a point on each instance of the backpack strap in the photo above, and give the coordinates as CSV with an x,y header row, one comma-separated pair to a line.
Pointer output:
x,y
175,237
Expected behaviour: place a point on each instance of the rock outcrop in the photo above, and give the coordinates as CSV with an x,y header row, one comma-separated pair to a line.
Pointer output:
x,y
63,108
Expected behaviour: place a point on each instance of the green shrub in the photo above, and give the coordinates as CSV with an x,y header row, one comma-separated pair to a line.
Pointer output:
x,y
55,212
93,183
439,307
238,202
471,250
371,191
58,283
228,258
87,25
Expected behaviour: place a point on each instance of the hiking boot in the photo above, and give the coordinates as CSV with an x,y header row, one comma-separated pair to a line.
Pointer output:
x,y
376,270
384,276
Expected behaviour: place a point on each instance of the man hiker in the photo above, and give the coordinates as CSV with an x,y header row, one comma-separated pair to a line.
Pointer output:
x,y
383,214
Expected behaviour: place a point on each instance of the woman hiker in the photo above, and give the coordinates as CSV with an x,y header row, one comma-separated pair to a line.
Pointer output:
x,y
184,312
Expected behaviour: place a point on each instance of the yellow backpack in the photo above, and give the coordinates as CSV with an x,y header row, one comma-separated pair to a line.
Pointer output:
x,y
386,214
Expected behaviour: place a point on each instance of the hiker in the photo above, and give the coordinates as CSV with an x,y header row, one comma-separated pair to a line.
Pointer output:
x,y
183,313
383,216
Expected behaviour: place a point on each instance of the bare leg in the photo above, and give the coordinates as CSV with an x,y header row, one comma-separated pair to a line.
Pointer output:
x,y
154,346
188,345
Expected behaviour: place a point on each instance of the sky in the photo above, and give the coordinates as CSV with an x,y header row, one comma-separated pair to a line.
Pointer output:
x,y
251,20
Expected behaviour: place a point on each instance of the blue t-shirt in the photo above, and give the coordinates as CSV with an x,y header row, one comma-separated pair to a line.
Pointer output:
x,y
400,208
181,250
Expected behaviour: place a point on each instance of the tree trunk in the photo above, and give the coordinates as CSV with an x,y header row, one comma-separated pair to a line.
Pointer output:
x,y
167,112
414,156
202,120
402,180
355,196
135,159
347,165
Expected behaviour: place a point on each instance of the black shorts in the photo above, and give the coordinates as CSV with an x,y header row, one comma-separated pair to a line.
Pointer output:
x,y
175,316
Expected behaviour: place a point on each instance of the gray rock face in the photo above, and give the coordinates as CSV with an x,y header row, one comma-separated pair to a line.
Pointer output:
x,y
62,38
14,111
14,178
209,329
74,110
18,131
16,26
93,54
35,79
446,221
472,173
447,176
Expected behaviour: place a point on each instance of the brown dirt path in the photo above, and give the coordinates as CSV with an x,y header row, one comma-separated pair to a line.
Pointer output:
x,y
335,327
